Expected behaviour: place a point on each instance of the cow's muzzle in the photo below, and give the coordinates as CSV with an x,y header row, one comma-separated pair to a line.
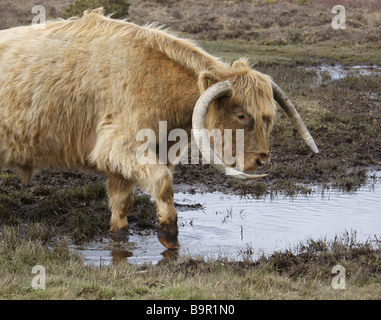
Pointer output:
x,y
257,162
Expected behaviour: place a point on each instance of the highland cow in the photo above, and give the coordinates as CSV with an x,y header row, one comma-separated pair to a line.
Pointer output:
x,y
75,93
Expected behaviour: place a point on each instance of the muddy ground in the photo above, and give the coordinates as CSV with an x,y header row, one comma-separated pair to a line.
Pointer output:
x,y
343,115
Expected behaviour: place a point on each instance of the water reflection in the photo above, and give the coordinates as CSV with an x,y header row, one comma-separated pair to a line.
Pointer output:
x,y
110,252
231,226
326,73
119,255
169,255
136,248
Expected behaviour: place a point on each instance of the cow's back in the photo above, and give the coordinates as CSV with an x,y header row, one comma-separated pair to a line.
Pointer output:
x,y
58,84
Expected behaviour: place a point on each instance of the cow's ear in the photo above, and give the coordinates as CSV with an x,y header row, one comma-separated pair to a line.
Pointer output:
x,y
241,64
206,80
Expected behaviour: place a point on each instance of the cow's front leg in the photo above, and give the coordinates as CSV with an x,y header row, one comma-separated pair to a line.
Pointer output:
x,y
160,185
121,199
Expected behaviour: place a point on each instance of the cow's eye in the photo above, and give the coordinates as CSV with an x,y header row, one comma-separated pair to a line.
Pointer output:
x,y
242,118
267,121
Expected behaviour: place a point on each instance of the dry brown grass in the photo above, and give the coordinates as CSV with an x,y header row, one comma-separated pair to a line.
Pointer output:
x,y
279,23
367,4
261,22
15,13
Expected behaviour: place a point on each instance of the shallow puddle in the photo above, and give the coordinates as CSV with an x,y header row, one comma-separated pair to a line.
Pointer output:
x,y
338,71
235,227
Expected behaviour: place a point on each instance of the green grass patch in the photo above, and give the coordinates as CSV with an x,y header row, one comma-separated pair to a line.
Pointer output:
x,y
292,54
304,272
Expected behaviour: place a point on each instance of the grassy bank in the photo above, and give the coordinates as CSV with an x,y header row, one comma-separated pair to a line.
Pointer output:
x,y
302,273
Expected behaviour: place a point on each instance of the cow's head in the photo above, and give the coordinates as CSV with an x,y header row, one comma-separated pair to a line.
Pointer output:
x,y
244,100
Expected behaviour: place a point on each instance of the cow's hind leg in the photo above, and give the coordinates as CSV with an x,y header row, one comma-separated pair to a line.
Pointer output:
x,y
121,199
160,186
26,174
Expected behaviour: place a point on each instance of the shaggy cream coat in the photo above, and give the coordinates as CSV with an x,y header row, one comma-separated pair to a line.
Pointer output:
x,y
75,93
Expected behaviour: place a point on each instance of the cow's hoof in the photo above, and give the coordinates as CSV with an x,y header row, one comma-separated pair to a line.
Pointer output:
x,y
120,235
168,235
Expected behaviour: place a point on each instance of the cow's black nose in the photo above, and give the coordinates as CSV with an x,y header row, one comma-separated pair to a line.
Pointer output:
x,y
262,160
260,163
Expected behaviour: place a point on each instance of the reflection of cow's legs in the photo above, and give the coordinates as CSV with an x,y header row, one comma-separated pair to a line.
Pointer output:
x,y
121,199
159,184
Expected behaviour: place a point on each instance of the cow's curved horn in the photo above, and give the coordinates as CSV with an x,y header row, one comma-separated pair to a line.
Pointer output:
x,y
296,119
199,131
